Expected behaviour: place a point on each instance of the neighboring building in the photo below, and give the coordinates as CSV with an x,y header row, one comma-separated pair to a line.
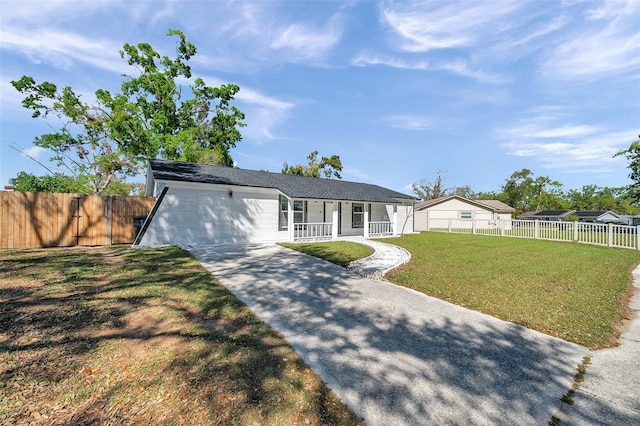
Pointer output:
x,y
551,215
202,204
588,216
600,216
486,212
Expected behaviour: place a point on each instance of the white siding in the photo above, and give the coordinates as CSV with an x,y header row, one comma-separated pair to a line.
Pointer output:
x,y
211,216
347,228
405,219
452,209
315,209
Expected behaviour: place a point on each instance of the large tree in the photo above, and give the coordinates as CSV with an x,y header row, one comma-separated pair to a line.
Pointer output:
x,y
81,144
329,166
632,154
426,190
524,193
152,117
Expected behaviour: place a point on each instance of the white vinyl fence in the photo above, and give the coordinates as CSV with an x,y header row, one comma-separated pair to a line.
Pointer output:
x,y
609,235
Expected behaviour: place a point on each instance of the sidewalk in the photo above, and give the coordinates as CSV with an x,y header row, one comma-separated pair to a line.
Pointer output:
x,y
610,393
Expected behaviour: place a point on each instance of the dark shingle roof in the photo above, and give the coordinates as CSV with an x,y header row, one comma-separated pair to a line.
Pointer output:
x,y
291,185
493,205
554,213
586,213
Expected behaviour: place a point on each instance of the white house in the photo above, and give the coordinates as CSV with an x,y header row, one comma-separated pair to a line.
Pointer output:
x,y
436,213
203,204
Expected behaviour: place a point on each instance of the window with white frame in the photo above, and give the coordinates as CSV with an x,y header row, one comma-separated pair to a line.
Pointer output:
x,y
299,212
283,217
357,215
466,215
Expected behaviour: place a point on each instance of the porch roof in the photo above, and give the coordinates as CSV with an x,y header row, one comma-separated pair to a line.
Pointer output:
x,y
292,186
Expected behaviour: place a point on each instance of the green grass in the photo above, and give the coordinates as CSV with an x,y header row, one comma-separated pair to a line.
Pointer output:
x,y
339,252
573,291
119,336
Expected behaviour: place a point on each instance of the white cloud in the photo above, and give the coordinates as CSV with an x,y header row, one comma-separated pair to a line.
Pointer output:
x,y
536,131
424,26
262,33
463,68
306,41
569,148
263,114
365,59
62,49
607,44
33,152
407,122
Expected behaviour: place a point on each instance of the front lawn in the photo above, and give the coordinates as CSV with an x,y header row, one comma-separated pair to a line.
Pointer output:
x,y
119,336
339,252
573,291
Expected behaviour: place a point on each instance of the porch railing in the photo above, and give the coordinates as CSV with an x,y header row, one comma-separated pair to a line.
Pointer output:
x,y
312,231
381,228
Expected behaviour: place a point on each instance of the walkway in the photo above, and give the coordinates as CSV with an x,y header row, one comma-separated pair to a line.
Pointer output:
x,y
385,258
396,356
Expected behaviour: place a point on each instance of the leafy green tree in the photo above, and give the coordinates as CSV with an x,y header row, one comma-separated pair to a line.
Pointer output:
x,y
57,182
632,154
27,182
524,193
81,145
329,166
152,117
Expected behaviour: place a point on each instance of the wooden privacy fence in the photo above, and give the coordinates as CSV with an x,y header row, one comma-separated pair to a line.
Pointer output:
x,y
39,219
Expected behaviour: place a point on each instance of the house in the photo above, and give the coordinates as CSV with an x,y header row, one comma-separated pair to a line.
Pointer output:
x,y
203,204
599,216
551,215
457,207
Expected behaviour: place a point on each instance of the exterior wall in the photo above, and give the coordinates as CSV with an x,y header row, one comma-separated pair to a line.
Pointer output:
x,y
405,218
347,228
452,209
190,216
315,212
379,213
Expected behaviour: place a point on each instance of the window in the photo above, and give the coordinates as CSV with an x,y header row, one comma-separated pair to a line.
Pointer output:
x,y
466,215
299,212
283,217
357,215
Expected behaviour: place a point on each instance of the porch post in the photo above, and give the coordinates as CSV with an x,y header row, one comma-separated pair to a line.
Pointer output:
x,y
366,220
334,221
395,220
292,232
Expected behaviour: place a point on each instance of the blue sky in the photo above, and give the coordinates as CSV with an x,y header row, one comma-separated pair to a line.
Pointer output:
x,y
399,90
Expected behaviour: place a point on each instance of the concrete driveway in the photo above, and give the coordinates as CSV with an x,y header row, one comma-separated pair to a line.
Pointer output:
x,y
396,356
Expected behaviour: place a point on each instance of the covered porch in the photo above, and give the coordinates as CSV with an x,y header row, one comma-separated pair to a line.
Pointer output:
x,y
321,220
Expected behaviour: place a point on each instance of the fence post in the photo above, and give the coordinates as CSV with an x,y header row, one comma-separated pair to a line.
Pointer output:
x,y
108,208
473,226
575,231
502,222
637,237
609,234
449,225
536,231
